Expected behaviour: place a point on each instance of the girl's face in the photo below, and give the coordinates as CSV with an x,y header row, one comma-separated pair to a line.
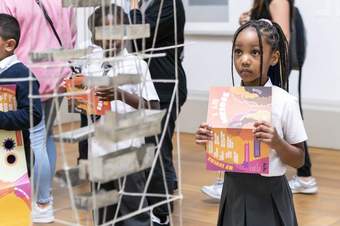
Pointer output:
x,y
115,45
247,57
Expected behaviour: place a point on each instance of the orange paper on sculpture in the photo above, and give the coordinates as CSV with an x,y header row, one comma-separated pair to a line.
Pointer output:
x,y
232,113
87,103
15,189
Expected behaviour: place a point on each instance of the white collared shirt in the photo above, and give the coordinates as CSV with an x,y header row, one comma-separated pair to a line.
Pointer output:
x,y
287,120
8,62
130,64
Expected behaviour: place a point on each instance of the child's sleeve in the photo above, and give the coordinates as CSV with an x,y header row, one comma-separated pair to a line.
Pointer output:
x,y
148,89
20,119
293,126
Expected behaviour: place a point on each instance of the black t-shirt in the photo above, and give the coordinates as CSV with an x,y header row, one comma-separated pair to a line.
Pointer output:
x,y
164,67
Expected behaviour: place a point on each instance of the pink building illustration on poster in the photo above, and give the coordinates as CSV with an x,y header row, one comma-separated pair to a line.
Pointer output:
x,y
232,113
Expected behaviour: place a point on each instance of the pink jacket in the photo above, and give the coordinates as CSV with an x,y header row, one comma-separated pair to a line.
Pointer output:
x,y
37,35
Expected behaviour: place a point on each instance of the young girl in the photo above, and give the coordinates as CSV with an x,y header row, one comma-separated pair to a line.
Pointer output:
x,y
251,199
279,11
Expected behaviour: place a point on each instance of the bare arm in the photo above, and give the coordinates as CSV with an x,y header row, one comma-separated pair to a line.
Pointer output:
x,y
110,94
280,12
290,154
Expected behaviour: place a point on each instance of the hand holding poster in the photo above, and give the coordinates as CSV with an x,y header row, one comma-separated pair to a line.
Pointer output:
x,y
232,113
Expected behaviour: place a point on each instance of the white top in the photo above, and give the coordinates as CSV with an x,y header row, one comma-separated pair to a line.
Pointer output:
x,y
8,62
129,65
287,120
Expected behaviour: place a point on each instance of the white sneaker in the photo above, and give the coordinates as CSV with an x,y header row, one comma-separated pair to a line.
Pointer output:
x,y
156,221
297,185
214,191
42,215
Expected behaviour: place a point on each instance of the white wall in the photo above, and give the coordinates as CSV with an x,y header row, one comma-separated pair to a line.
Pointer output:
x,y
207,63
211,54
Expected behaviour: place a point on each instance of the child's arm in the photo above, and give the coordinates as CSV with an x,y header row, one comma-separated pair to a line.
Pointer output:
x,y
109,94
20,119
204,134
290,154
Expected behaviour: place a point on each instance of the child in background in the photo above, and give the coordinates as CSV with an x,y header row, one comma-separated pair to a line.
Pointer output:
x,y
125,98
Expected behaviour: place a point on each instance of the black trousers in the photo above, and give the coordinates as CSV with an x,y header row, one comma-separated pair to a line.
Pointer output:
x,y
157,183
135,183
83,145
306,169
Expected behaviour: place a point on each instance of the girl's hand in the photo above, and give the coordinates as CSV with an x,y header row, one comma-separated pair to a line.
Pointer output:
x,y
204,134
62,87
266,133
105,93
244,18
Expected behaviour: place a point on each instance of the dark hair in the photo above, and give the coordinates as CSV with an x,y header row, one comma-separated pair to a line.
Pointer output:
x,y
274,35
96,18
9,28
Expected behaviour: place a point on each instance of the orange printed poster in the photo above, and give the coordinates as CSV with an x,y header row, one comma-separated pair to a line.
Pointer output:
x,y
15,188
86,102
232,113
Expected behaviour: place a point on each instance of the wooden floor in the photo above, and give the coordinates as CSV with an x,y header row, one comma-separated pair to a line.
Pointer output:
x,y
322,209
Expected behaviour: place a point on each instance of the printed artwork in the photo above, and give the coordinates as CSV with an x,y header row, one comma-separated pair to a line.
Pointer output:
x,y
232,113
85,102
15,188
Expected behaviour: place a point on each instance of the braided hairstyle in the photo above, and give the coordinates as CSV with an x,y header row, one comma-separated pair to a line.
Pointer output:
x,y
272,33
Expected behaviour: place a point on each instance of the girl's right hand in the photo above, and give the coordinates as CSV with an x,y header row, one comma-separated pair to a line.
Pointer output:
x,y
204,134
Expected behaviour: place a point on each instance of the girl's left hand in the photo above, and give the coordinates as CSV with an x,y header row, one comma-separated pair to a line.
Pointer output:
x,y
105,93
265,132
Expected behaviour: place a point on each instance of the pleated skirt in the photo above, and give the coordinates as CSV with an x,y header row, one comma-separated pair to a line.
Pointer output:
x,y
254,200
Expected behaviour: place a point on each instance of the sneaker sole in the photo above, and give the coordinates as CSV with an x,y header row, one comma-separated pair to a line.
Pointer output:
x,y
43,221
306,191
207,193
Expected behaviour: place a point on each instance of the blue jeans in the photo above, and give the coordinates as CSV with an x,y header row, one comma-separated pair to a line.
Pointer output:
x,y
44,150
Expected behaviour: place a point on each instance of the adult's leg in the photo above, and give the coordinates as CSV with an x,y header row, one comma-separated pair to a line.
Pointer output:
x,y
50,113
43,213
157,183
42,170
83,145
306,169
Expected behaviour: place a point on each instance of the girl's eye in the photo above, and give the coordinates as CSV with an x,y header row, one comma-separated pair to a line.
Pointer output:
x,y
255,52
237,52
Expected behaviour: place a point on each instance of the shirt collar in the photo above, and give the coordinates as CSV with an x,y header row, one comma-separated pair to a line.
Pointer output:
x,y
8,62
124,52
268,83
